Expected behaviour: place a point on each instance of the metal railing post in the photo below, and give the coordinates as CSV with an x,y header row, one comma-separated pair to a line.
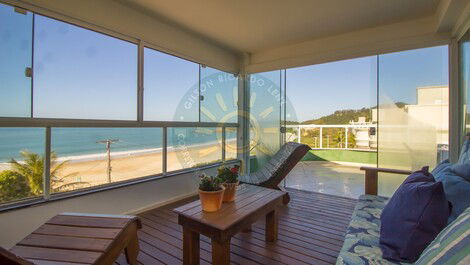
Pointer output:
x,y
298,135
346,137
164,150
223,143
46,185
321,137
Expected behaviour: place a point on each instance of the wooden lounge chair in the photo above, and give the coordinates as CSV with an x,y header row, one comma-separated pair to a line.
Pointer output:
x,y
72,238
277,168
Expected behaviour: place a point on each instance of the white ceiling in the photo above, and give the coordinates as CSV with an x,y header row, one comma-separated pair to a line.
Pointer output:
x,y
255,25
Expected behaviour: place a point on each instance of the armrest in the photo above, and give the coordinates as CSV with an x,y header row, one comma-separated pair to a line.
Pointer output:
x,y
387,170
371,177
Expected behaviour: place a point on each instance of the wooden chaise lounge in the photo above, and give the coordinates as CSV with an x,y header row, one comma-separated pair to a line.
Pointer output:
x,y
72,238
277,168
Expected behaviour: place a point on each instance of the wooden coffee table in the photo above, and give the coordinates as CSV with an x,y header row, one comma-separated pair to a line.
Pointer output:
x,y
251,203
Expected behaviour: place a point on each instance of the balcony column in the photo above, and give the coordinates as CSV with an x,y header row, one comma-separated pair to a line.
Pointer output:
x,y
243,133
456,115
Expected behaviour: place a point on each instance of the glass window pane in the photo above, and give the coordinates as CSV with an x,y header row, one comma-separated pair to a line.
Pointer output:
x,y
79,73
171,88
16,55
265,116
464,53
82,160
413,111
332,107
219,91
193,147
230,143
21,163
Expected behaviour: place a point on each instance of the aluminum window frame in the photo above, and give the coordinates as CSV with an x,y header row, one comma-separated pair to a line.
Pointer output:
x,y
49,123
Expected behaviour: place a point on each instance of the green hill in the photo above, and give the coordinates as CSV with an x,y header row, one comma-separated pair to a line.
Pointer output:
x,y
344,116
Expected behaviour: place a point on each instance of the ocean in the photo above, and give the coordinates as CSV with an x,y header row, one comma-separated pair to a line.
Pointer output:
x,y
71,142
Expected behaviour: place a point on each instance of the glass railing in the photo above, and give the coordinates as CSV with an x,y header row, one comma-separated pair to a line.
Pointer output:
x,y
41,162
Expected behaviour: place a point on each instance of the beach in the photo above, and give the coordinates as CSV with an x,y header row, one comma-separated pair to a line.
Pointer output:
x,y
91,170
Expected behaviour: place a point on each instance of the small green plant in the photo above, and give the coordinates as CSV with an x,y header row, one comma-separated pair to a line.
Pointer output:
x,y
209,183
228,175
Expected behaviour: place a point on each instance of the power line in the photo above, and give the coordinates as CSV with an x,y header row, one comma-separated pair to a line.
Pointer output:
x,y
108,143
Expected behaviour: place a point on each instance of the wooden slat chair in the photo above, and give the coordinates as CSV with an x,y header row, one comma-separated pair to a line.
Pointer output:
x,y
75,238
277,168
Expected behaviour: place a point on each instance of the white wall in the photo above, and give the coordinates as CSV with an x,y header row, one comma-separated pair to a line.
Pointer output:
x,y
119,18
16,224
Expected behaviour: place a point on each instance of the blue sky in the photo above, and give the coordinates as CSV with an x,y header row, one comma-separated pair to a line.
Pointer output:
x,y
84,74
319,90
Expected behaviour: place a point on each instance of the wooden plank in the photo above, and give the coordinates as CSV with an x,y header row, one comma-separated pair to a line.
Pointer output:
x,y
105,233
310,231
87,221
74,256
62,242
48,262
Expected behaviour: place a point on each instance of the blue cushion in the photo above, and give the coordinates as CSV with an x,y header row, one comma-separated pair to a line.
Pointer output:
x,y
464,157
461,170
456,187
441,166
413,217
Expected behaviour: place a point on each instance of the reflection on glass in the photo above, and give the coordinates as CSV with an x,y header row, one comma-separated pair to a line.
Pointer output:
x,y
265,116
79,73
413,113
15,57
171,88
87,157
230,143
192,147
21,163
464,53
219,91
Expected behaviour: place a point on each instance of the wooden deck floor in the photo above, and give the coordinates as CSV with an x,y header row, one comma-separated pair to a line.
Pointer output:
x,y
311,231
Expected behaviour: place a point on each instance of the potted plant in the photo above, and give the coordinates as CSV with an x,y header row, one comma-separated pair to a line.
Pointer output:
x,y
211,193
229,177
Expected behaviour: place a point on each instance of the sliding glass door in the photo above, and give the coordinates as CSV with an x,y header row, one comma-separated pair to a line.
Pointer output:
x,y
464,79
413,113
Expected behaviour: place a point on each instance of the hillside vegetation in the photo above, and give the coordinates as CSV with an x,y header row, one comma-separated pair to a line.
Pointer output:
x,y
344,116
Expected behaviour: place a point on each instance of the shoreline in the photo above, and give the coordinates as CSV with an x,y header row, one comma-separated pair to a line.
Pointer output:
x,y
120,154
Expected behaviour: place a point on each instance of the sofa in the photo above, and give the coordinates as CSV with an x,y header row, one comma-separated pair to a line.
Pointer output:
x,y
451,246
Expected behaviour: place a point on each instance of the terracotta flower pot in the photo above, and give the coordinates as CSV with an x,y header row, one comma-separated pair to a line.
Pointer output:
x,y
230,191
211,201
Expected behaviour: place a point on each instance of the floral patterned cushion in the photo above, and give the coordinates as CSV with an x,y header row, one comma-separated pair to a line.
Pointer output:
x,y
361,244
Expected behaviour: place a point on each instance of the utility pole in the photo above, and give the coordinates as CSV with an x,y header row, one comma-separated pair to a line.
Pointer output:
x,y
108,143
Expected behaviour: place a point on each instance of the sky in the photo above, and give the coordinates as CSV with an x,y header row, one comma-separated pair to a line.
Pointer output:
x,y
79,73
319,90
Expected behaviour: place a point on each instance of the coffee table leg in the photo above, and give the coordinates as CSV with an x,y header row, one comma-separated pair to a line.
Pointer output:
x,y
220,252
190,247
271,226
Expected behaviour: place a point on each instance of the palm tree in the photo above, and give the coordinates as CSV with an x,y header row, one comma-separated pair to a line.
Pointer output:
x,y
32,168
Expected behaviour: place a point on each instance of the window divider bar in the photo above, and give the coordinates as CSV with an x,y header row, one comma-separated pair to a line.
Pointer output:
x,y
164,150
140,82
50,122
47,165
223,143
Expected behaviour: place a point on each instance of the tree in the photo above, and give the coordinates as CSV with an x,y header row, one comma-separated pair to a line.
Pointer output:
x,y
13,186
32,168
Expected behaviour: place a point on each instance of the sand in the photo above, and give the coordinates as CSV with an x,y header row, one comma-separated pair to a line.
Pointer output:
x,y
131,165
